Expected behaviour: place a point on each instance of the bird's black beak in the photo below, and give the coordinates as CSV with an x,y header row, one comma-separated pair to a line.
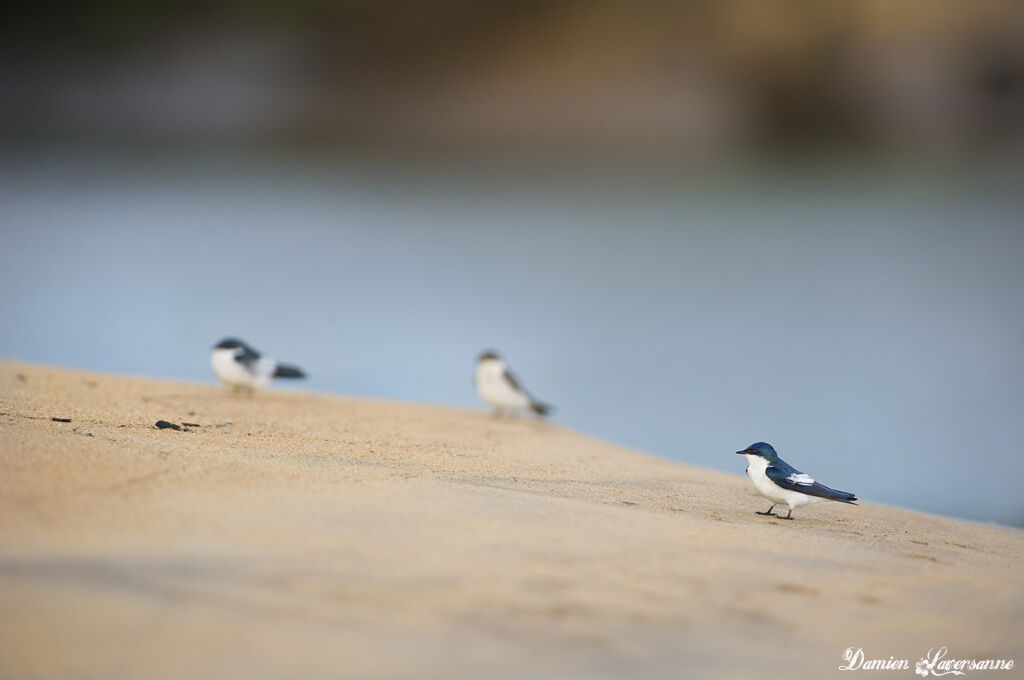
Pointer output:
x,y
744,452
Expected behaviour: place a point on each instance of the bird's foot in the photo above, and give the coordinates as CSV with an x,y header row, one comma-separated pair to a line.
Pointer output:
x,y
766,512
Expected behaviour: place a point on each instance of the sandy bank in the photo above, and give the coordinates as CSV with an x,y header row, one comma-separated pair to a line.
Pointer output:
x,y
299,535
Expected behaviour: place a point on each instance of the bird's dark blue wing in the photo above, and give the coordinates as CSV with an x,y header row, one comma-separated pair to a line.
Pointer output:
x,y
247,357
511,378
537,406
794,480
785,467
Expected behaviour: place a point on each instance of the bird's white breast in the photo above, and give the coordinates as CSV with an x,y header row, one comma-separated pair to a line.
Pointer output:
x,y
233,373
769,489
495,389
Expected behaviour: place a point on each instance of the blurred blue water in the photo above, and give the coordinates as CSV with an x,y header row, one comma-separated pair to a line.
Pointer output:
x,y
869,325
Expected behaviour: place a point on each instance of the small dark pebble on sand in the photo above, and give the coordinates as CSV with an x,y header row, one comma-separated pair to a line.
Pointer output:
x,y
163,425
61,420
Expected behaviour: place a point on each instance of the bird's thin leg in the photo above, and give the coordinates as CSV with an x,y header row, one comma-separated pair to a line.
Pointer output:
x,y
789,515
766,513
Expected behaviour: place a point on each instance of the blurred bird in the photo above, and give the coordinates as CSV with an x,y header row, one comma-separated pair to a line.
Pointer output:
x,y
780,482
499,388
241,366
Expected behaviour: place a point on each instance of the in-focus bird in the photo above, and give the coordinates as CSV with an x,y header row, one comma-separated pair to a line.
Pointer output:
x,y
501,390
780,482
241,366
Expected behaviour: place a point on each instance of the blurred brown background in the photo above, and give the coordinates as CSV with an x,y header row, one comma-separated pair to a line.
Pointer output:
x,y
655,78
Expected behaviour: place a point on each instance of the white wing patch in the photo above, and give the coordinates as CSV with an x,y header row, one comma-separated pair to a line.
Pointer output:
x,y
800,478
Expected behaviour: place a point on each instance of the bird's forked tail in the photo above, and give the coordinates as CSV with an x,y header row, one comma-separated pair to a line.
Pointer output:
x,y
286,371
540,408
